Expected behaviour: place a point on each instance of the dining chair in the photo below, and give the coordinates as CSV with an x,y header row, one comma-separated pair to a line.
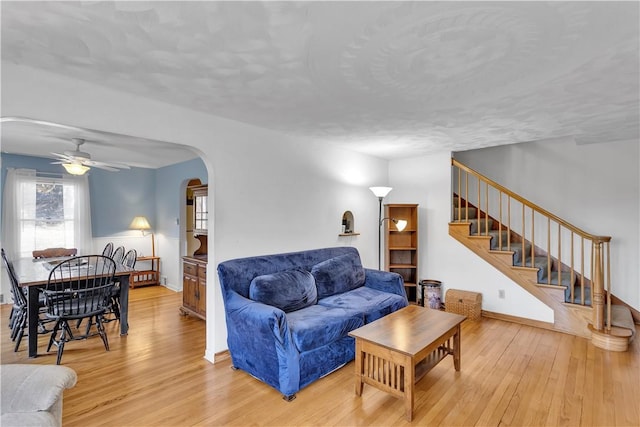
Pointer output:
x,y
54,252
129,260
108,250
19,311
78,288
118,254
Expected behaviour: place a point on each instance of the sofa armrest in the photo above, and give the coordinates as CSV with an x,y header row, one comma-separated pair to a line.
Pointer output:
x,y
260,342
385,281
31,388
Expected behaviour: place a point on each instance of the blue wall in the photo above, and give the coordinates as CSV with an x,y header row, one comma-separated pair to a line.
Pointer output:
x,y
116,197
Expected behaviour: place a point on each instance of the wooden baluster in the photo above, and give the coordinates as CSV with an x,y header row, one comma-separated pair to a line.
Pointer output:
x,y
559,255
459,218
508,223
582,270
478,205
466,196
533,239
548,251
500,221
597,285
524,254
573,274
486,210
608,266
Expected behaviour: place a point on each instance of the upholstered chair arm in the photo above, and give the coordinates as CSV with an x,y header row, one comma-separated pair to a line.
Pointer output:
x,y
32,394
384,281
260,342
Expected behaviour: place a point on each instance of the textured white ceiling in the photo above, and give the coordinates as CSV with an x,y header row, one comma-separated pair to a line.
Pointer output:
x,y
391,79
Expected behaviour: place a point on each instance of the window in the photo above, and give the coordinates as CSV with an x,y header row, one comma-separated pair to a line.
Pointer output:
x,y
43,212
47,216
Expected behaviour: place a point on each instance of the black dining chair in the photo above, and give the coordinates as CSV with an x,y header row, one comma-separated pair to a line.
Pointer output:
x,y
108,250
118,254
78,288
129,260
19,311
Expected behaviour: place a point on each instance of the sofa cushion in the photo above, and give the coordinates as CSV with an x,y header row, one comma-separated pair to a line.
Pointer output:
x,y
288,290
339,274
318,325
372,302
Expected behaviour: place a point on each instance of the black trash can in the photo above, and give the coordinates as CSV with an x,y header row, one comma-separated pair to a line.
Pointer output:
x,y
431,293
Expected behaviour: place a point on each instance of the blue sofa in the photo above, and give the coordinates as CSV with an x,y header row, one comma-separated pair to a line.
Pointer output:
x,y
288,315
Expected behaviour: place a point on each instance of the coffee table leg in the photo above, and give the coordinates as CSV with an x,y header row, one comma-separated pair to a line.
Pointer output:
x,y
359,357
456,349
409,381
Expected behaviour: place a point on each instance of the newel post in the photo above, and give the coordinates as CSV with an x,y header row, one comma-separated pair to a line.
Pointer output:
x,y
597,292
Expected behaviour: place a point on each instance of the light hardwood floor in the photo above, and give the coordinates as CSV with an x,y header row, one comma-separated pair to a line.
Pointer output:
x,y
511,375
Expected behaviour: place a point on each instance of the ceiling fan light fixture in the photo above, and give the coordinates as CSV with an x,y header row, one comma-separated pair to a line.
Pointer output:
x,y
75,168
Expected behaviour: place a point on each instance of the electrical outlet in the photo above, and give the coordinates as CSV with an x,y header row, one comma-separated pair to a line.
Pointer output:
x,y
164,280
501,293
1,298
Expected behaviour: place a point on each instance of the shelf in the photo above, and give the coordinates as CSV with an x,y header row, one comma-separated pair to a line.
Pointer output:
x,y
401,247
348,234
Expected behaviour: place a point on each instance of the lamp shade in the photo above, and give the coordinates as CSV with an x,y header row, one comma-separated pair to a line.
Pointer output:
x,y
380,191
401,224
140,223
75,168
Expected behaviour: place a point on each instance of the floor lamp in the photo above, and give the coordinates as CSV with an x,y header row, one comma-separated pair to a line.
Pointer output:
x,y
141,223
380,193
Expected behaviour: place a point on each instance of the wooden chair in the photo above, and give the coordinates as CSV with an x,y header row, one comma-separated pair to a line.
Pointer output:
x,y
78,288
54,252
19,312
108,250
118,254
129,260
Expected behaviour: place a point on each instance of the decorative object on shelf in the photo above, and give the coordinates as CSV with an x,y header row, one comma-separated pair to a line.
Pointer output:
x,y
380,193
348,225
141,223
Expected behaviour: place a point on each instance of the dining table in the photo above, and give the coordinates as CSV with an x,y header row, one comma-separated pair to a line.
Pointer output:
x,y
34,273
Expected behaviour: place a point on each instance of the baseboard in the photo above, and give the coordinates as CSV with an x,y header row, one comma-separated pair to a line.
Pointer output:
x,y
221,356
520,320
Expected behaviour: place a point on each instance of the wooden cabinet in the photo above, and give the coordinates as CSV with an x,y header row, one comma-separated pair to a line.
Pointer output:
x,y
401,247
194,286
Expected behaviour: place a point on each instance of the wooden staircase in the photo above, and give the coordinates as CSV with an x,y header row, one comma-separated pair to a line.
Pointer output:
x,y
558,263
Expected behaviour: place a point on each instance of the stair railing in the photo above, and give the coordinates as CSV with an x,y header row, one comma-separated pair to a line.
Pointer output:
x,y
577,255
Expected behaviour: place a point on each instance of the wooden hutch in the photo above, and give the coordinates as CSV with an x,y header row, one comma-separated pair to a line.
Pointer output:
x,y
194,267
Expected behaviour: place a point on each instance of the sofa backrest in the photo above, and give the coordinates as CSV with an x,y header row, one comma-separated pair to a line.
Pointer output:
x,y
237,274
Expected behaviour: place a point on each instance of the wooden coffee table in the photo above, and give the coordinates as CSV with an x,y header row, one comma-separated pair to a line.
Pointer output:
x,y
395,352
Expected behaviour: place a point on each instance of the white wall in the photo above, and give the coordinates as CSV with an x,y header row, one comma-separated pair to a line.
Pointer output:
x,y
427,181
270,192
595,187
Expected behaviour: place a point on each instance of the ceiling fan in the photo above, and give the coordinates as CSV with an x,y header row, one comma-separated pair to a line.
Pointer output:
x,y
78,162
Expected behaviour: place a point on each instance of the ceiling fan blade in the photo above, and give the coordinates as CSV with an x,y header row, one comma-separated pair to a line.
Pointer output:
x,y
105,164
104,167
61,156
